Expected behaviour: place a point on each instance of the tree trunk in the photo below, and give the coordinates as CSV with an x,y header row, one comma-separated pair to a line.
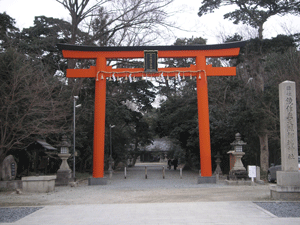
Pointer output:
x,y
1,169
2,157
264,151
260,32
134,159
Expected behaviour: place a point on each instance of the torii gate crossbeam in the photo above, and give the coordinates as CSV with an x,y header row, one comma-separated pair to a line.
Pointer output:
x,y
101,71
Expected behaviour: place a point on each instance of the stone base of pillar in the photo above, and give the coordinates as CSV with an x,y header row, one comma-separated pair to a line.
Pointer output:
x,y
11,184
239,182
285,193
207,180
238,175
288,178
98,181
288,186
63,177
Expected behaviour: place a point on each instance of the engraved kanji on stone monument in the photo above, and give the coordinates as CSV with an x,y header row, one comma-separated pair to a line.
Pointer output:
x,y
288,126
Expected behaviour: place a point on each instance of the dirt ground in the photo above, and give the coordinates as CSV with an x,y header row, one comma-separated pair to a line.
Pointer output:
x,y
91,195
136,189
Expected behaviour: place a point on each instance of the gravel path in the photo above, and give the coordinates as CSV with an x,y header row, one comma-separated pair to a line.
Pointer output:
x,y
10,215
281,209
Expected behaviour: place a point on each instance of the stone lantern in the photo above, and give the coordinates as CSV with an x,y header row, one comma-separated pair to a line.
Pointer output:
x,y
218,161
64,172
238,170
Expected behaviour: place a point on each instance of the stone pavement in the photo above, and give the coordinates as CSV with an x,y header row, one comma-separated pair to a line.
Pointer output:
x,y
136,200
232,213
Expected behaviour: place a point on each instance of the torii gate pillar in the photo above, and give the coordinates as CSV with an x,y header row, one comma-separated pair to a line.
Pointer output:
x,y
99,126
203,121
101,71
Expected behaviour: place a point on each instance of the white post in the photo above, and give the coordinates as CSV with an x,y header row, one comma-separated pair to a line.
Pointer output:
x,y
163,170
125,172
180,173
75,98
252,173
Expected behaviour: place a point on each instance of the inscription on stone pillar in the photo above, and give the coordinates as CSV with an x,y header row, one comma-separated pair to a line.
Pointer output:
x,y
288,126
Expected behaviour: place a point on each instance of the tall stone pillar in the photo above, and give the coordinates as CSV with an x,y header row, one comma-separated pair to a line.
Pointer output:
x,y
288,179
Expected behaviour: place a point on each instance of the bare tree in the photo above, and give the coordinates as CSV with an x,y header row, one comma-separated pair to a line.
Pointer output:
x,y
79,10
133,22
119,22
32,103
116,22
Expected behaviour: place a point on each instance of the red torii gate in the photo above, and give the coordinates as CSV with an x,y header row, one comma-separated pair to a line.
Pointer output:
x,y
101,71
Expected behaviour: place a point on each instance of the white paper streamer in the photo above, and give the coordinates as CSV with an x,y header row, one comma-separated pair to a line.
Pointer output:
x,y
179,78
162,77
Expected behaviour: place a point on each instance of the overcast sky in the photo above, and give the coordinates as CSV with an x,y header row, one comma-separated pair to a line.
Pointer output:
x,y
212,26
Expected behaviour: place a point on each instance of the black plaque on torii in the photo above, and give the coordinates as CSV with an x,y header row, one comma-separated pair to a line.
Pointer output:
x,y
150,61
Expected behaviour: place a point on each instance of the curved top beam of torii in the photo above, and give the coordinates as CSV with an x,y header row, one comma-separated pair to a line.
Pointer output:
x,y
101,71
158,47
186,51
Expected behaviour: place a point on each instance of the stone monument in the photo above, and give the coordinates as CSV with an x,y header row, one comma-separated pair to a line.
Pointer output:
x,y
288,179
9,168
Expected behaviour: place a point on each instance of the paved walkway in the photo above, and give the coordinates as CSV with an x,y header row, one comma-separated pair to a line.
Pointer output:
x,y
136,200
193,213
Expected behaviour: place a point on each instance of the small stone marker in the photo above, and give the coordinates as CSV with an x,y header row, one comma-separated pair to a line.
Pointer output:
x,y
9,168
257,173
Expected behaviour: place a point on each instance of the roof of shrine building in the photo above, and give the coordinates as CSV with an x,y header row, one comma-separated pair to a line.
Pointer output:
x,y
158,47
39,143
